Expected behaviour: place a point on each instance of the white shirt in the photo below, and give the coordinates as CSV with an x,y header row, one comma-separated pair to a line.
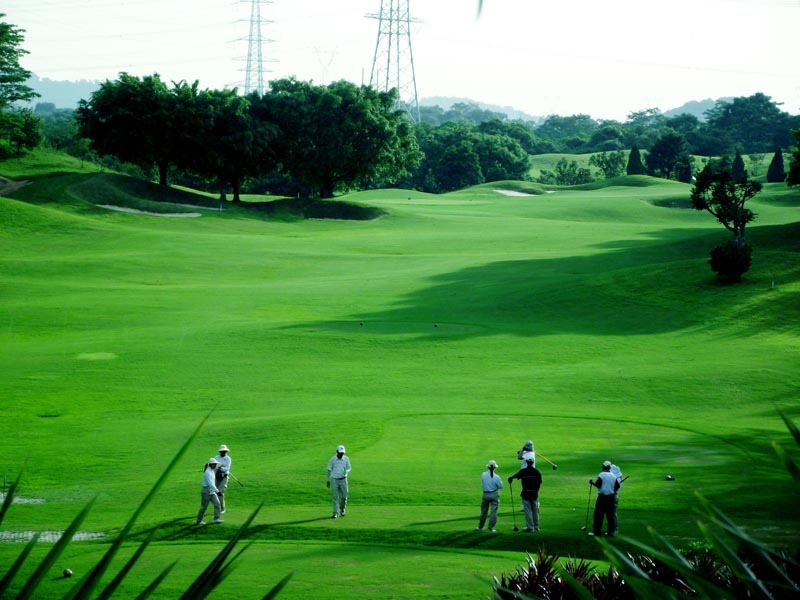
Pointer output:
x,y
209,480
607,483
525,456
617,473
338,468
491,483
225,462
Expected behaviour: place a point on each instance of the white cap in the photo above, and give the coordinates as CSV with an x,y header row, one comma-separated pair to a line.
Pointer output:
x,y
491,463
223,448
607,464
339,449
528,445
213,461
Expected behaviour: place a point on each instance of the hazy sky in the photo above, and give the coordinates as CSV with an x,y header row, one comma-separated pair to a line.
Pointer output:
x,y
603,58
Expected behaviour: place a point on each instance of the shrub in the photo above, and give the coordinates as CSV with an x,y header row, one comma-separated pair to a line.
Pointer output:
x,y
730,261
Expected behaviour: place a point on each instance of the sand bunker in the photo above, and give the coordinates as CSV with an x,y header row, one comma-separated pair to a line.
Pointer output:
x,y
8,186
151,214
513,193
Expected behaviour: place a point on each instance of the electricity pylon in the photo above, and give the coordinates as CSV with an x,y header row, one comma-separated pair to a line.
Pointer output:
x,y
254,72
393,62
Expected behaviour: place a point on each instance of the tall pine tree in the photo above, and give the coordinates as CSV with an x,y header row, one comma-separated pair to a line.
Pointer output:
x,y
776,172
635,165
737,168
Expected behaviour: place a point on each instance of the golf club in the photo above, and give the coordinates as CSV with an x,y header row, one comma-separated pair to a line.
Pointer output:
x,y
513,512
235,478
588,503
555,466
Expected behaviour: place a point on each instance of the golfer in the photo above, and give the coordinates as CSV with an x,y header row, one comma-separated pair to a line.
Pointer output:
x,y
527,448
222,474
531,480
616,472
209,492
607,486
338,470
491,484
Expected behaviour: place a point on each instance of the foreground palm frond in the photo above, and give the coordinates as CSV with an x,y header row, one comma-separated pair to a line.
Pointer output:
x,y
216,572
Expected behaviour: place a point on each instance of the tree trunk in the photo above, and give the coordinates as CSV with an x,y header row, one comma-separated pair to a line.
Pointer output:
x,y
326,189
223,196
162,173
236,187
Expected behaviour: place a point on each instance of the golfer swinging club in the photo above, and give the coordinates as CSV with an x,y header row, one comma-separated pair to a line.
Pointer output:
x,y
222,474
527,448
338,469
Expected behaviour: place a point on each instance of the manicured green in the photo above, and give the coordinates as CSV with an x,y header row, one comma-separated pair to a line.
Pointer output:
x,y
428,341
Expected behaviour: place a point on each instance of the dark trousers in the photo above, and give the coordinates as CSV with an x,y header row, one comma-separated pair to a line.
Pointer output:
x,y
604,507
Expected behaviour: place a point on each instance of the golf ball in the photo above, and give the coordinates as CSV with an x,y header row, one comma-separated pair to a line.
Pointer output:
x,y
67,572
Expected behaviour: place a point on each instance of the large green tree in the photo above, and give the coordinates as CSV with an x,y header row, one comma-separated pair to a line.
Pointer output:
x,y
611,164
666,155
134,119
12,75
756,123
238,139
341,134
19,128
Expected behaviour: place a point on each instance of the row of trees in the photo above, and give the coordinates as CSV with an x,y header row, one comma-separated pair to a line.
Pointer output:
x,y
750,124
296,137
325,136
299,138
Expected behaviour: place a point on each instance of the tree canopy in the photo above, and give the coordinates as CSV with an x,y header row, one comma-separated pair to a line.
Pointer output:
x,y
19,128
340,134
717,192
133,119
12,75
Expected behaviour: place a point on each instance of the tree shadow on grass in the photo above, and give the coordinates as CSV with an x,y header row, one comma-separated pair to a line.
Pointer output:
x,y
630,287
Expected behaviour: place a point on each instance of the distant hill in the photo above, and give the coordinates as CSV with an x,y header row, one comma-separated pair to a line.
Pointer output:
x,y
446,102
696,108
64,94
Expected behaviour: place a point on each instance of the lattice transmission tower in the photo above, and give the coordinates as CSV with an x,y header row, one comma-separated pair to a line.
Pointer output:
x,y
254,72
393,62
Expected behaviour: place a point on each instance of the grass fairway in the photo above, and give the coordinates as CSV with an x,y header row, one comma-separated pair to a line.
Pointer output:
x,y
428,341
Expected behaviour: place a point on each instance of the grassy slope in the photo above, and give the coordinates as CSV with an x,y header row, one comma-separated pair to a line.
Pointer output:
x,y
427,341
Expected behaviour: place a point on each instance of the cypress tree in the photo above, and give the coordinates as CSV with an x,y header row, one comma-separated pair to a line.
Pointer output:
x,y
635,166
738,171
776,172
